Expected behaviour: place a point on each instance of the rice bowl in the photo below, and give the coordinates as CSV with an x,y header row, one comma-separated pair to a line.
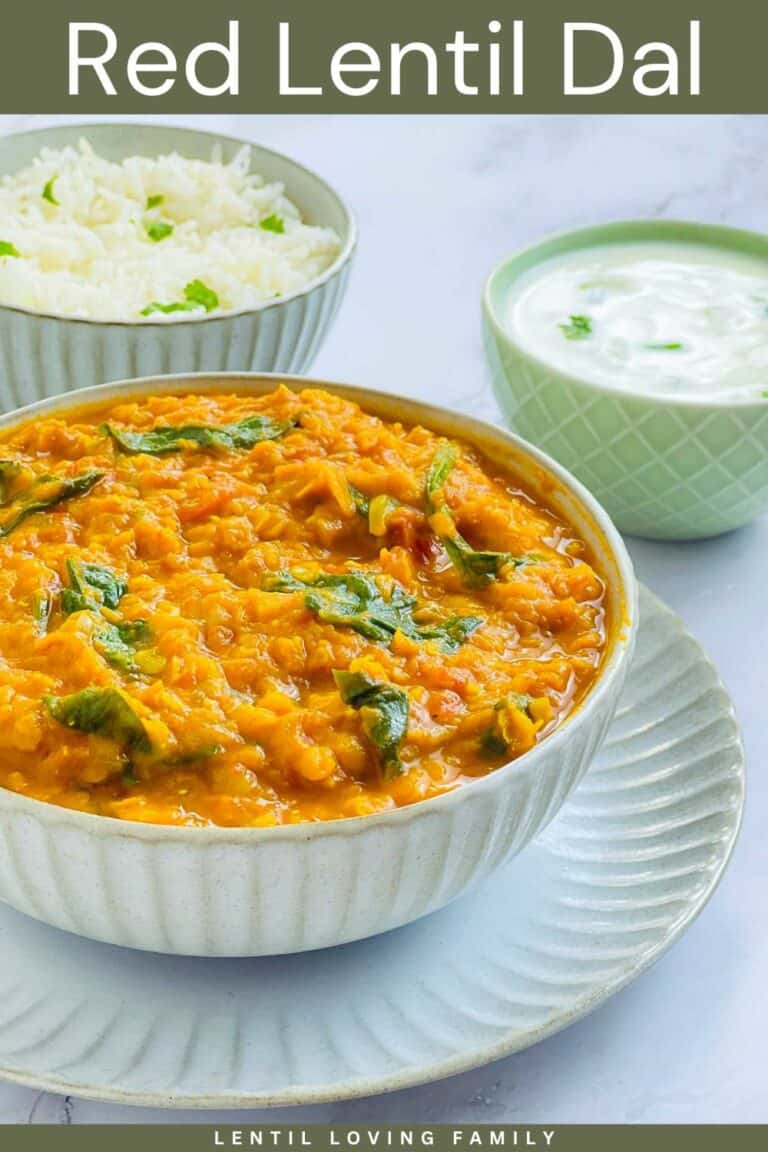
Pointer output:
x,y
47,352
101,239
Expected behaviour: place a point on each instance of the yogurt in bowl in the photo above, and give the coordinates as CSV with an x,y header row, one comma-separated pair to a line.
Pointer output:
x,y
662,318
636,354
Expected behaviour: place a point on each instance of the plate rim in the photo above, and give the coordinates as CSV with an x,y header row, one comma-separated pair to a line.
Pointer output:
x,y
416,1075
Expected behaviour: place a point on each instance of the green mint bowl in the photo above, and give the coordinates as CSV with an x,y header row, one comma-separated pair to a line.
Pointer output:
x,y
667,468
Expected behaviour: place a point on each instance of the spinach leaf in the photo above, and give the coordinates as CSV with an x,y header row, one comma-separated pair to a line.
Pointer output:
x,y
10,471
42,606
110,642
194,756
126,646
354,600
104,712
452,632
503,736
125,643
439,471
377,510
135,632
89,583
380,511
383,710
359,499
577,328
205,752
493,742
160,441
44,494
475,567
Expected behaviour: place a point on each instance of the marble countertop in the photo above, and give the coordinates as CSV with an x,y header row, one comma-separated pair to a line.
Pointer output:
x,y
685,1042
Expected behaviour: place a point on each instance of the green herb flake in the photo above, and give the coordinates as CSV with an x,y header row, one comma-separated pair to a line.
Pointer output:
x,y
197,295
155,201
47,192
103,712
354,600
8,249
200,294
383,711
273,223
46,493
158,230
578,328
160,441
671,347
167,309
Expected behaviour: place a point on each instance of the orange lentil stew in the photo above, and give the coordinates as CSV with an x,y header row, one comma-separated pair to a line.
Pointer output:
x,y
255,610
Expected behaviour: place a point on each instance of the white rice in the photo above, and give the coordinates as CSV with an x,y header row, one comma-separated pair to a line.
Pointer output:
x,y
91,255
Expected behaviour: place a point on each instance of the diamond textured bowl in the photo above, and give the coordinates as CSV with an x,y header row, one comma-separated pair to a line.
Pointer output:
x,y
43,355
668,469
257,891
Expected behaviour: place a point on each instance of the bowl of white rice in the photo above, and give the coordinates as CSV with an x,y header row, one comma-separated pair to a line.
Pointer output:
x,y
138,249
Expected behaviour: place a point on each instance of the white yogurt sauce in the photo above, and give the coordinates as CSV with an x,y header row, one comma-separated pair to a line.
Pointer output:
x,y
671,319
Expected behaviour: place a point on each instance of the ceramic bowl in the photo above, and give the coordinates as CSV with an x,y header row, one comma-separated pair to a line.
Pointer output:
x,y
256,891
664,468
43,355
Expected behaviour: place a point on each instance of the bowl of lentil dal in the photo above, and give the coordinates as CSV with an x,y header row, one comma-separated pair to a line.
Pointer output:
x,y
287,663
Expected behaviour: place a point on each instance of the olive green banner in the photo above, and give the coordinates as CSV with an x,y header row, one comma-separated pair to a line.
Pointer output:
x,y
414,56
374,1137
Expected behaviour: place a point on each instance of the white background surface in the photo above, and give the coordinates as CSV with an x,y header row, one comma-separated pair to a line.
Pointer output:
x,y
439,202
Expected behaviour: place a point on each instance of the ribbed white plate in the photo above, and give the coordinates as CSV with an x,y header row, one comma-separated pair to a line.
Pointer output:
x,y
614,881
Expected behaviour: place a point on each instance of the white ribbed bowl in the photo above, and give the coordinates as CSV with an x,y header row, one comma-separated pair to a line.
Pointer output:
x,y
44,355
249,892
